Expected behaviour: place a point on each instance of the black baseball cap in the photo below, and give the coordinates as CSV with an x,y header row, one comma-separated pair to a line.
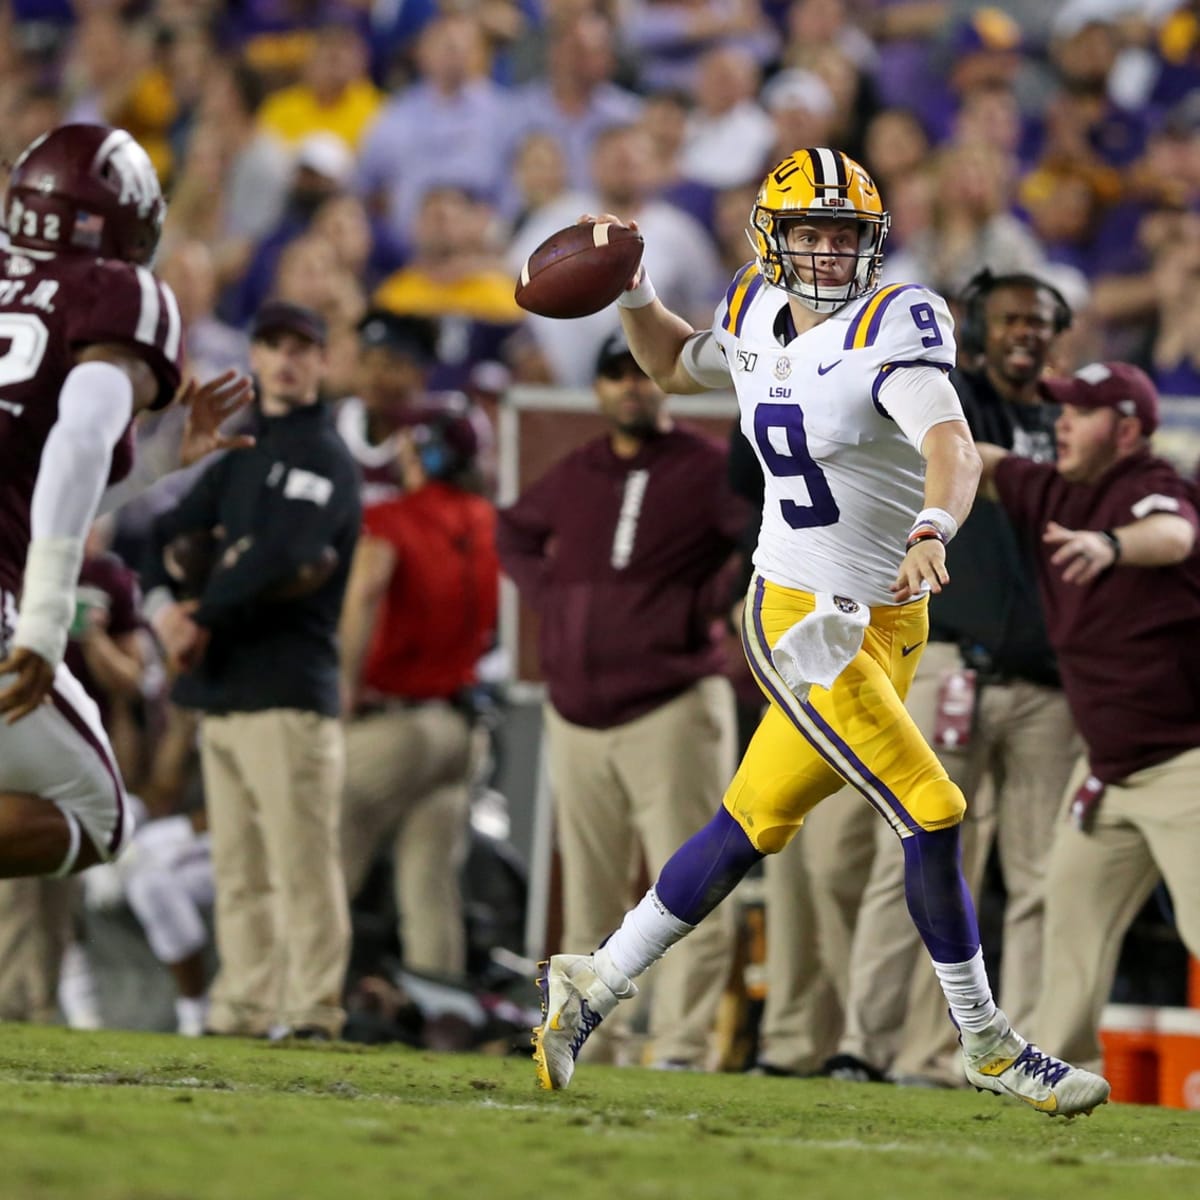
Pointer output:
x,y
400,333
614,350
277,316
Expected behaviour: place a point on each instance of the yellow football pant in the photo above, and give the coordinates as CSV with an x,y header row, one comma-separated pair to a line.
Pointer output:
x,y
857,732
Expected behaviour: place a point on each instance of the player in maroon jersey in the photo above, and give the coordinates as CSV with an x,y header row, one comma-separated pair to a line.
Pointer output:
x,y
88,338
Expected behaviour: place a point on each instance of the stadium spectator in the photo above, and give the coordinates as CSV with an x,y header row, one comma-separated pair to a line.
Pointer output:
x,y
1115,529
262,667
539,173
669,37
321,170
450,127
420,612
457,277
803,109
894,146
618,548
577,100
335,94
212,345
971,226
728,134
665,121
236,191
1175,354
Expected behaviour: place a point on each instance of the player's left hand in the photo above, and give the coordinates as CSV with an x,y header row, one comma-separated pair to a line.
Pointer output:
x,y
30,689
209,405
1083,554
924,566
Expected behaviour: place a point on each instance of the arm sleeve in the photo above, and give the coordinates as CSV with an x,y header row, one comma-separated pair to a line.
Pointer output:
x,y
523,531
95,407
704,361
294,523
157,455
918,398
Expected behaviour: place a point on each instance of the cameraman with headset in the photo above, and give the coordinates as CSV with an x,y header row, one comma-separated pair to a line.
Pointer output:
x,y
987,696
420,611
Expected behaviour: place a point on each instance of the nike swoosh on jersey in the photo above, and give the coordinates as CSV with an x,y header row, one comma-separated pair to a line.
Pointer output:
x,y
905,651
822,369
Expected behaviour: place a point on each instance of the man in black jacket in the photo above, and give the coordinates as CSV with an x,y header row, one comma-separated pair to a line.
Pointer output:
x,y
259,659
989,700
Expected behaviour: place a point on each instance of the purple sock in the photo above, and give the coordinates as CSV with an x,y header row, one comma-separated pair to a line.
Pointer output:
x,y
937,895
705,869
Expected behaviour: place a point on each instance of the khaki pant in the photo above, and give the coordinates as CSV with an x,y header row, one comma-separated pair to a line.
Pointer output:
x,y
650,784
273,783
1013,774
802,1014
1146,828
407,772
35,929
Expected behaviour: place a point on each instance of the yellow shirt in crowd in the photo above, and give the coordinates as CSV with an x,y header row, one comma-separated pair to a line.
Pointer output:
x,y
293,113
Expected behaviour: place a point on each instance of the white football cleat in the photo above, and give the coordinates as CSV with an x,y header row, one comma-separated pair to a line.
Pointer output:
x,y
574,1001
1000,1060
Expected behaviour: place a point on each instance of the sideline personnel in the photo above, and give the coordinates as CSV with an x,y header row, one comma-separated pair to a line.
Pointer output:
x,y
264,672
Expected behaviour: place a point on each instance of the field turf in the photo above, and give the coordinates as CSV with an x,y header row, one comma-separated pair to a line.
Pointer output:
x,y
121,1116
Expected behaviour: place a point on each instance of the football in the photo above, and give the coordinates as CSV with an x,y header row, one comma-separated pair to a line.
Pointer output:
x,y
579,270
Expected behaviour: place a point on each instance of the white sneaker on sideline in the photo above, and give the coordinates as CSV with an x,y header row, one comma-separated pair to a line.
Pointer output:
x,y
574,1001
1000,1060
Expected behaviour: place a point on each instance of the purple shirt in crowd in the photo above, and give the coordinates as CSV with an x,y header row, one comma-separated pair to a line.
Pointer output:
x,y
1128,643
621,558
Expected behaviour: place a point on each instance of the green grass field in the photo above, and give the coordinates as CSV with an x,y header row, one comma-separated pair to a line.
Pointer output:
x,y
120,1116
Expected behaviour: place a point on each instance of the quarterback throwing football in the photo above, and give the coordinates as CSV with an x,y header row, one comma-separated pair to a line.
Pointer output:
x,y
869,469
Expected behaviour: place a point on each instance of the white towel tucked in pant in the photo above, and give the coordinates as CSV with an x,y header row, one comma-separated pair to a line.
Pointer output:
x,y
818,648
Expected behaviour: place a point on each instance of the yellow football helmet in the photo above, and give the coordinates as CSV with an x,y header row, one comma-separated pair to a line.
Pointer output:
x,y
818,183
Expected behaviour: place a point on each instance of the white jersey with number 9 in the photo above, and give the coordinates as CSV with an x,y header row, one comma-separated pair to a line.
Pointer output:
x,y
839,450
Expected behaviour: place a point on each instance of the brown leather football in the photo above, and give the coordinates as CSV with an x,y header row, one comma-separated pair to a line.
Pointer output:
x,y
579,270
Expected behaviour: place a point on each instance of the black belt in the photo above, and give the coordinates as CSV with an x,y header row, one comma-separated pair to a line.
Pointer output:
x,y
988,672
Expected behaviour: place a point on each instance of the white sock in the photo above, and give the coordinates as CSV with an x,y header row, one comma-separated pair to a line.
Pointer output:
x,y
190,1015
646,934
77,993
968,992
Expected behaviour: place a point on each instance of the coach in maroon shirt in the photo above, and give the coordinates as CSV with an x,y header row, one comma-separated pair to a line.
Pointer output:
x,y
1120,582
618,548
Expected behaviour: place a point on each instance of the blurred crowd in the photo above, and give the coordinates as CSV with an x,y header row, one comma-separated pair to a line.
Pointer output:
x,y
409,156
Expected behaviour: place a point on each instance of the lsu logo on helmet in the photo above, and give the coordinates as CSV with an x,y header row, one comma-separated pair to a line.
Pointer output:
x,y
818,183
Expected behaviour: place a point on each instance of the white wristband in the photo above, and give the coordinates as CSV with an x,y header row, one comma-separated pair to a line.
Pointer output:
x,y
639,296
48,596
940,519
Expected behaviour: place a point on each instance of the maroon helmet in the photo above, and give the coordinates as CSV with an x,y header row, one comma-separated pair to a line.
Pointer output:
x,y
85,189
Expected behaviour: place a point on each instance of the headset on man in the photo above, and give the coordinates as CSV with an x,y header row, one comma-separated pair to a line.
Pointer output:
x,y
972,334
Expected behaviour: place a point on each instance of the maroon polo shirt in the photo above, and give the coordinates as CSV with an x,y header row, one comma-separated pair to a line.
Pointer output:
x,y
1128,643
621,560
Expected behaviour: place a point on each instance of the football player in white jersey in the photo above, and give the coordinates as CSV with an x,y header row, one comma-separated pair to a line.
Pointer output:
x,y
869,468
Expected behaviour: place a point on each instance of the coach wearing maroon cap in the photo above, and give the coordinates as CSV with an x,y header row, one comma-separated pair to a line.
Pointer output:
x,y
1120,582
